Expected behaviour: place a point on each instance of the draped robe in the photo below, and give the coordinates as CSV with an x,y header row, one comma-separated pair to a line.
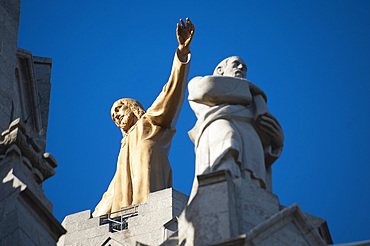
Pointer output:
x,y
225,135
143,164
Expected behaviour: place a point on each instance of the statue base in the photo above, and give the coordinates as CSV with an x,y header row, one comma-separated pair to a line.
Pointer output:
x,y
149,223
228,211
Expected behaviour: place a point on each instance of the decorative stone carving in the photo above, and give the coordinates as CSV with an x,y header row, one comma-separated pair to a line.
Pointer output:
x,y
41,163
23,168
143,165
25,212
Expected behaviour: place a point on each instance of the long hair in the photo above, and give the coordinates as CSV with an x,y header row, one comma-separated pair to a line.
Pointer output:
x,y
134,106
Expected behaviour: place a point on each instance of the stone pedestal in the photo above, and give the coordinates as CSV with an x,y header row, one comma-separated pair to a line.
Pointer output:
x,y
211,215
149,223
228,211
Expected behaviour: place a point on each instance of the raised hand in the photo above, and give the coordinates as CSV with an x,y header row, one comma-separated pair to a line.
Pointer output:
x,y
184,34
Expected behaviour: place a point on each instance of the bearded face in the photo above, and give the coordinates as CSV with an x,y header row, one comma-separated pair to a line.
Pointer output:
x,y
122,116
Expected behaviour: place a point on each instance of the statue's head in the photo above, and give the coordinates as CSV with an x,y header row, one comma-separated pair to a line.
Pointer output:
x,y
125,112
232,66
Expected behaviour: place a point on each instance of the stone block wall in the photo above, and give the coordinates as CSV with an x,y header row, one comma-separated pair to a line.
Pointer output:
x,y
155,221
25,212
9,22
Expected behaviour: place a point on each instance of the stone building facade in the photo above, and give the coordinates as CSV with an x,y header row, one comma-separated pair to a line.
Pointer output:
x,y
25,212
224,211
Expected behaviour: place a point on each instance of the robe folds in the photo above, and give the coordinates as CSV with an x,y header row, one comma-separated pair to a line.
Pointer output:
x,y
225,135
143,164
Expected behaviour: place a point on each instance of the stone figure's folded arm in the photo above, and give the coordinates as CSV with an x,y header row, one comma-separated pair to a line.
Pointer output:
x,y
260,106
215,90
166,108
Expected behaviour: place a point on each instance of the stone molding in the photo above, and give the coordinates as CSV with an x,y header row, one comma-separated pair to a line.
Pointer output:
x,y
263,231
285,216
16,135
213,177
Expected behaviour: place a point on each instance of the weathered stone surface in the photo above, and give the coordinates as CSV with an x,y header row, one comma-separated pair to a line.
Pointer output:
x,y
203,222
224,208
253,204
23,217
154,223
17,135
32,87
25,212
289,226
9,14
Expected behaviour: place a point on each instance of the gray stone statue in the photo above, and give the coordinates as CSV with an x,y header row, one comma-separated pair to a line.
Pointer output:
x,y
235,130
236,141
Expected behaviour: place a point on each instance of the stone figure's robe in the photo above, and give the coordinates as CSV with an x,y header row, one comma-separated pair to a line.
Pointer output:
x,y
225,135
143,164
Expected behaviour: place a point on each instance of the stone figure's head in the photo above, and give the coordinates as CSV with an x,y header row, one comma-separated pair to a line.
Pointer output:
x,y
232,66
125,112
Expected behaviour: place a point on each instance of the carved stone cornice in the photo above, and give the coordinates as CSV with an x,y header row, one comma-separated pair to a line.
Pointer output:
x,y
17,135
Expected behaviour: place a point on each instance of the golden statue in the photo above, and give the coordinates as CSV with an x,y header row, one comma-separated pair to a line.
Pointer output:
x,y
143,164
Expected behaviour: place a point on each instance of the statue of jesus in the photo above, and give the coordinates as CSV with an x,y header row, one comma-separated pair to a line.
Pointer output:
x,y
143,164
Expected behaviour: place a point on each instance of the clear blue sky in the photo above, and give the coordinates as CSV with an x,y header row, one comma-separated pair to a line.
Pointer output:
x,y
312,58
